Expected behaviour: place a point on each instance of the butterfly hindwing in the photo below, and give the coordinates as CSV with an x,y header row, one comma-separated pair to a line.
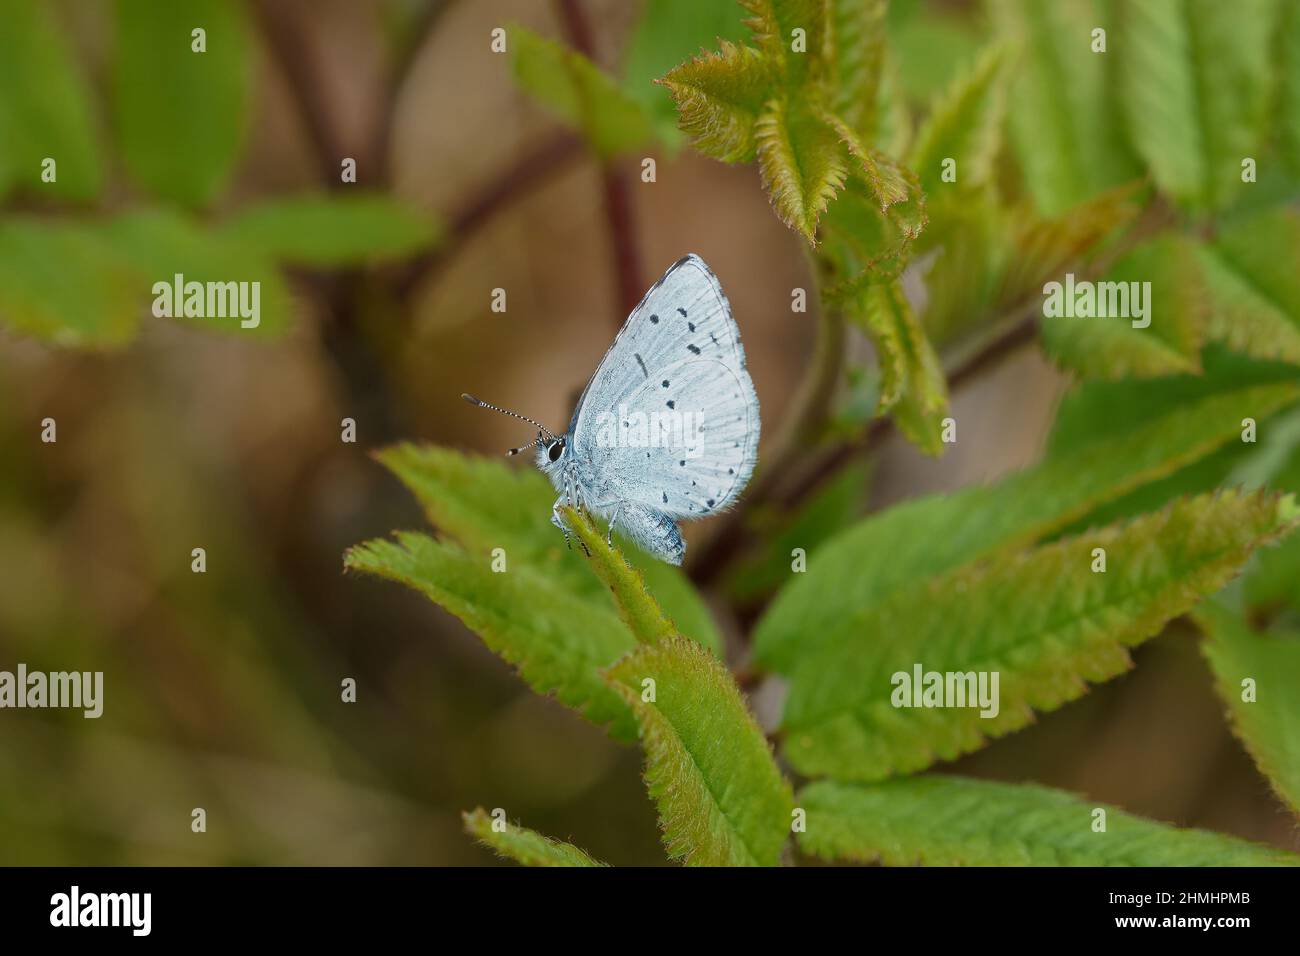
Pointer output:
x,y
687,449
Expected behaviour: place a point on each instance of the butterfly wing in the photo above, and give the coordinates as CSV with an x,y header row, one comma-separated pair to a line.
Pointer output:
x,y
670,419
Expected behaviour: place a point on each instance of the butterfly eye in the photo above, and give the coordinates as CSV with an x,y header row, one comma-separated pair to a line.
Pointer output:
x,y
555,451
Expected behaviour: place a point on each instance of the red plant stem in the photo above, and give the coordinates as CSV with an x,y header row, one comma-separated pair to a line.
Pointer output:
x,y
616,197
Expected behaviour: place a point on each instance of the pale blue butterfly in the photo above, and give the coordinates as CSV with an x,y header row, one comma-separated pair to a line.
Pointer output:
x,y
668,426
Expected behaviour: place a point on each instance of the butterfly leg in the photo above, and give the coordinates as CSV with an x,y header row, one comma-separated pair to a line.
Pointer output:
x,y
609,537
558,521
570,499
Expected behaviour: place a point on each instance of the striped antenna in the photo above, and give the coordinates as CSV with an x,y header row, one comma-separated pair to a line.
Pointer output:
x,y
523,418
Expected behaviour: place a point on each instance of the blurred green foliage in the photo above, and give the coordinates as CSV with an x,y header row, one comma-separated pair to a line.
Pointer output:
x,y
940,162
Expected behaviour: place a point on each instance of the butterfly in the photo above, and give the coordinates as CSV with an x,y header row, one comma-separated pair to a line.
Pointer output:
x,y
667,427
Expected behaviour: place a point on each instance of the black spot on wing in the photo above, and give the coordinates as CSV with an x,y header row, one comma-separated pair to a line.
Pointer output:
x,y
694,349
683,312
672,404
640,361
665,494
654,319
665,383
691,326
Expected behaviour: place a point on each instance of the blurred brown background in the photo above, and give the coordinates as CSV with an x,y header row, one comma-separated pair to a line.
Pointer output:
x,y
222,690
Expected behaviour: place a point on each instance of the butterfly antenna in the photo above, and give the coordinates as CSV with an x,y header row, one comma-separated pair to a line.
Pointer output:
x,y
546,432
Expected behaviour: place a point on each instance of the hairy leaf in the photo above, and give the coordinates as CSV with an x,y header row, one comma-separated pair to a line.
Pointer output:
x,y
580,93
912,382
1064,115
721,799
44,107
887,182
802,163
720,97
1164,271
524,846
558,640
858,50
635,605
1268,724
773,23
964,125
1253,285
667,33
1195,82
482,504
1043,621
944,821
861,566
180,115
1042,249
332,230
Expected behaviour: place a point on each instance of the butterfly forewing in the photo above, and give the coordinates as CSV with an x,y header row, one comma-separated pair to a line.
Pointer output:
x,y
670,419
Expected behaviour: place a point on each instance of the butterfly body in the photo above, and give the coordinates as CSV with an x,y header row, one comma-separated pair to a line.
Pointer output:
x,y
667,428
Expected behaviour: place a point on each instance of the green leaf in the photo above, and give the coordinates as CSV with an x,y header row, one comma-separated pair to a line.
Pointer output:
x,y
1042,249
888,183
101,308
1064,115
857,31
667,33
964,124
635,606
720,97
944,821
864,564
179,114
721,799
1253,287
1094,414
1194,78
773,23
802,163
1165,271
1288,106
524,846
332,230
1044,621
1269,583
932,49
482,504
44,107
580,93
1098,413
824,513
1268,725
863,247
558,640
159,245
912,382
